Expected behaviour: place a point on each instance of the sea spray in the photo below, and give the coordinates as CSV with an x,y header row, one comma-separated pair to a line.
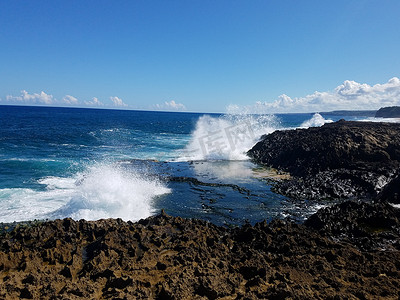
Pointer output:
x,y
227,137
384,120
103,190
48,168
316,121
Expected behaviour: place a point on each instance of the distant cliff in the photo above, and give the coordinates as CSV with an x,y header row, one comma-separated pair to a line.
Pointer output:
x,y
355,113
388,112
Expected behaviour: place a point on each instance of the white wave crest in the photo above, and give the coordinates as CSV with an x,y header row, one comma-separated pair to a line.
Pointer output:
x,y
227,137
102,191
316,121
381,120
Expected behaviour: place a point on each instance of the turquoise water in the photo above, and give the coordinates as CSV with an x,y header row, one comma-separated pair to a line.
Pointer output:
x,y
91,163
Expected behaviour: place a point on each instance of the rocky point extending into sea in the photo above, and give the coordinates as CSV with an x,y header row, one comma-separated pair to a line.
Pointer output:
x,y
341,160
350,250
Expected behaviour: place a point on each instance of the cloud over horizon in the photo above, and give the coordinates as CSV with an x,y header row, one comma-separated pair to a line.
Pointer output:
x,y
118,102
171,105
42,98
70,100
350,95
94,102
26,98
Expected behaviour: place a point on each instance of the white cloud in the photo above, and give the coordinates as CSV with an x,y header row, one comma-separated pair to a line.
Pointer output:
x,y
71,100
118,102
350,95
94,102
171,105
45,99
26,98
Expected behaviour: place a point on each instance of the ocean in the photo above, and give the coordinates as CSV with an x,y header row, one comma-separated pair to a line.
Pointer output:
x,y
97,163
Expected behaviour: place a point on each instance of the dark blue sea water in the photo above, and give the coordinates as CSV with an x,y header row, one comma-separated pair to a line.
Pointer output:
x,y
92,163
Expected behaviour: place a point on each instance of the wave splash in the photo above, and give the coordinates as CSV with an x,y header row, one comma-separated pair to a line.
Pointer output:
x,y
227,137
230,136
316,121
103,190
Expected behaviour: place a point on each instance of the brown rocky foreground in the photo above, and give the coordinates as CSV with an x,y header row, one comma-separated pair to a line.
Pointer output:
x,y
164,257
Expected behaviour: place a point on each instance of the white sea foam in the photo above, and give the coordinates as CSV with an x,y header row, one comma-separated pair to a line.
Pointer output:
x,y
383,120
316,121
227,137
102,191
224,170
19,159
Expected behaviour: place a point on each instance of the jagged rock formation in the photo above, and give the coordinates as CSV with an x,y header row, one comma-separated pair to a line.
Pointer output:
x,y
338,160
368,226
167,257
388,112
391,192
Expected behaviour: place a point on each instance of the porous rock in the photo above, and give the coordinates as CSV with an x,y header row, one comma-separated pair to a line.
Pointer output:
x,y
344,159
165,257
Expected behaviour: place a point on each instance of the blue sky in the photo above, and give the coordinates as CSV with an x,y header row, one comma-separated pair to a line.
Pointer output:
x,y
201,55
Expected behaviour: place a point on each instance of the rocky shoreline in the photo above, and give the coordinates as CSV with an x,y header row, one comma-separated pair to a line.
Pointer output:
x,y
166,257
347,251
341,160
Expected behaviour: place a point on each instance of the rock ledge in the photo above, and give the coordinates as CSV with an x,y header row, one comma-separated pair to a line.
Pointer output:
x,y
165,257
338,160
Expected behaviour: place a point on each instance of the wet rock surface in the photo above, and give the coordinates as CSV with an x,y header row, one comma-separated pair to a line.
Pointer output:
x,y
165,257
391,192
342,160
368,226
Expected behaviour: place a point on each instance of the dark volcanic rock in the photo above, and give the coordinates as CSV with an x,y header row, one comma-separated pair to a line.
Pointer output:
x,y
338,160
369,226
164,257
388,112
391,192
